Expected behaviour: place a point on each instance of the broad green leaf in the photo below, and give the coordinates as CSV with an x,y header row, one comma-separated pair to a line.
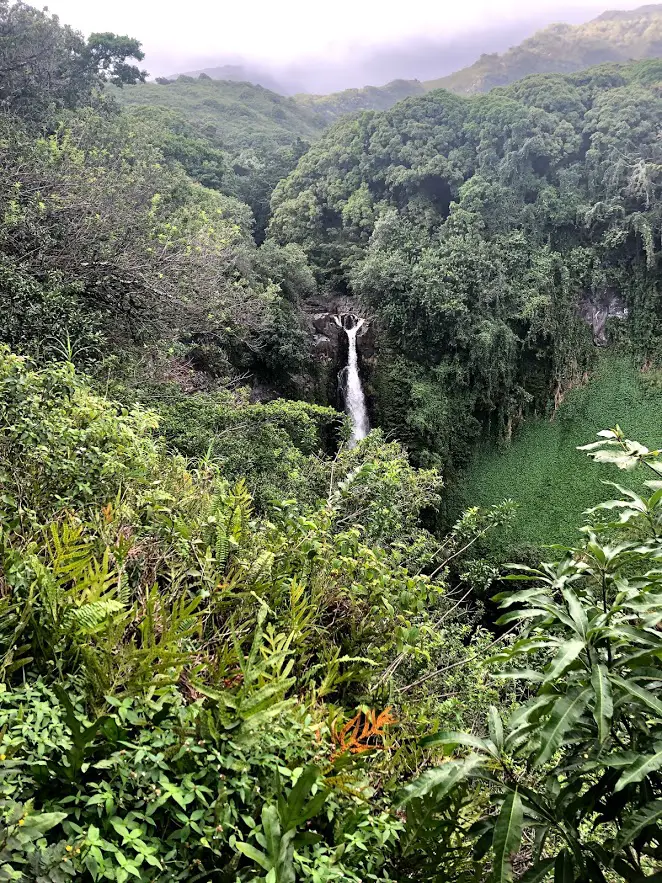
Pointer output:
x,y
272,831
507,599
577,612
538,872
644,765
629,635
639,693
507,837
568,652
519,674
635,823
524,569
294,810
40,823
604,705
566,711
656,498
255,854
442,779
495,727
452,739
529,613
564,871
594,871
621,759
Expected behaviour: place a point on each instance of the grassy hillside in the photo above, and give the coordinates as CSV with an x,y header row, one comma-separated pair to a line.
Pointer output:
x,y
542,469
562,48
240,114
239,73
243,114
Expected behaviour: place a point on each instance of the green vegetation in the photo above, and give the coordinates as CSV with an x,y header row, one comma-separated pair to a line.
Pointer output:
x,y
194,665
46,66
256,136
234,648
240,114
541,468
195,691
332,107
243,115
577,765
479,232
562,48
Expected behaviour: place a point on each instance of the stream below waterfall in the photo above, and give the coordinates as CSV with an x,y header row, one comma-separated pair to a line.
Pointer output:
x,y
350,380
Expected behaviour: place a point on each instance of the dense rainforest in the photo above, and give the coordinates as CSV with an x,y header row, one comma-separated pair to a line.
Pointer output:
x,y
263,134
483,234
238,640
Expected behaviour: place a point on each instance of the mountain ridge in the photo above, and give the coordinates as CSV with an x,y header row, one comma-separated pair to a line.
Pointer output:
x,y
613,36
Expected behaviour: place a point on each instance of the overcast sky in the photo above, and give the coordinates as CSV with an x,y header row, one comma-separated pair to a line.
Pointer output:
x,y
175,35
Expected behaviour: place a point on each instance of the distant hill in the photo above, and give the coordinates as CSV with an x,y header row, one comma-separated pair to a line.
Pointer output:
x,y
263,134
333,106
239,73
241,136
563,48
241,114
244,102
238,113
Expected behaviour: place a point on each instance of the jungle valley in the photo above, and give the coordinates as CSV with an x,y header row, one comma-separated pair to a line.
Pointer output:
x,y
330,496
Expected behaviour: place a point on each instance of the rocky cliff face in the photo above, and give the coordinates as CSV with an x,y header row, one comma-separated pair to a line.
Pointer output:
x,y
330,344
596,309
330,338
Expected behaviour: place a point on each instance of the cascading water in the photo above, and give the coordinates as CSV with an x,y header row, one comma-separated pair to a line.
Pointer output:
x,y
351,381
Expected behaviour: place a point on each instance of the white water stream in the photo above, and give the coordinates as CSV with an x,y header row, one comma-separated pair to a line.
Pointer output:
x,y
354,397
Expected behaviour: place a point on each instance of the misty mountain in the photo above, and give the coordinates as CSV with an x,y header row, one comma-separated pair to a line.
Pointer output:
x,y
616,36
241,73
263,133
419,58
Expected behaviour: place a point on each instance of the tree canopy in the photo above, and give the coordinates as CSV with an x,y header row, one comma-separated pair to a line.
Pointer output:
x,y
476,229
46,66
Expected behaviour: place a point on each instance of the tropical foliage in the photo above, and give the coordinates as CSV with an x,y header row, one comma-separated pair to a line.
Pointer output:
x,y
482,234
574,773
180,675
233,646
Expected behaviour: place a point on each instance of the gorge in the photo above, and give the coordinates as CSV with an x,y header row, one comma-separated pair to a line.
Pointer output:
x,y
274,418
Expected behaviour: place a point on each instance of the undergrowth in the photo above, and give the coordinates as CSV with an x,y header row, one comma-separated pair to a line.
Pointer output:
x,y
543,471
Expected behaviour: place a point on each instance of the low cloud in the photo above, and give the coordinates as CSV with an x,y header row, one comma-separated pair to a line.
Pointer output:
x,y
359,63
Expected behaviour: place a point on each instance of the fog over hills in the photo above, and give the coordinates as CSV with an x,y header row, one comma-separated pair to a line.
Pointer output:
x,y
614,36
416,58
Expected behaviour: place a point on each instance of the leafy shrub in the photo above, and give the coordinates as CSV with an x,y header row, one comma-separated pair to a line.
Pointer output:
x,y
74,447
577,764
176,669
47,320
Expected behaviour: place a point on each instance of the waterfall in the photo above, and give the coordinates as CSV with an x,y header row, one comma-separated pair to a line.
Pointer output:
x,y
354,397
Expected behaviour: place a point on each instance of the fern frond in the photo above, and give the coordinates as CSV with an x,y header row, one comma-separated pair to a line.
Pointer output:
x,y
222,546
88,617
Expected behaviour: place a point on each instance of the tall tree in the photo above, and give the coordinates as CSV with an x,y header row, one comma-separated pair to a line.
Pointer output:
x,y
46,66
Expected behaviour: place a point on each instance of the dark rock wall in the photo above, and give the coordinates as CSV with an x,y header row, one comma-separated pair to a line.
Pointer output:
x,y
597,309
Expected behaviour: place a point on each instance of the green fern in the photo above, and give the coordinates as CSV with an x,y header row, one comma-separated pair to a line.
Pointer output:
x,y
89,617
222,546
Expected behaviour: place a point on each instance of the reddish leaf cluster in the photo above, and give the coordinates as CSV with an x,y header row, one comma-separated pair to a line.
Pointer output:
x,y
363,732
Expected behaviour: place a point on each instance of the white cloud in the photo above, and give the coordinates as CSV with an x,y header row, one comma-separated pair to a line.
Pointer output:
x,y
290,30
